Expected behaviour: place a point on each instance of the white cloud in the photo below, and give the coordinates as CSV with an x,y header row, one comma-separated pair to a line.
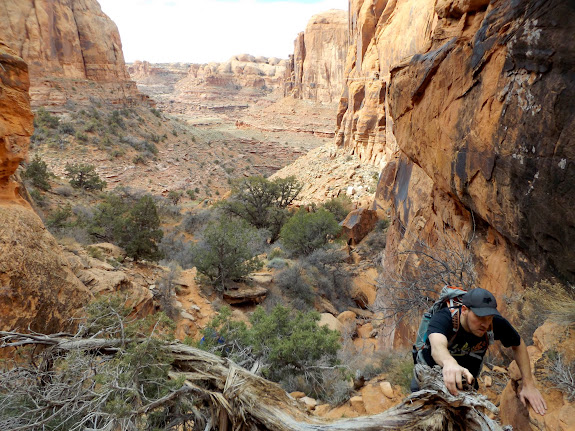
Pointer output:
x,y
200,31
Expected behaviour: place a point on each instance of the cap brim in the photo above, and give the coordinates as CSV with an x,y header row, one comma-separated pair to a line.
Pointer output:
x,y
485,311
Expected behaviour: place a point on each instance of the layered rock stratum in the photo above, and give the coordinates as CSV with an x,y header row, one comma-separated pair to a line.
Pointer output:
x,y
38,290
227,87
73,51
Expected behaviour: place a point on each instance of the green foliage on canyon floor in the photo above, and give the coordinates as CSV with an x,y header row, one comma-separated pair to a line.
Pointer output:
x,y
281,345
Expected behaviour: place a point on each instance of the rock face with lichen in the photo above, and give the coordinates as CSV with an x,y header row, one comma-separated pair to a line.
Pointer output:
x,y
468,107
72,48
37,287
315,71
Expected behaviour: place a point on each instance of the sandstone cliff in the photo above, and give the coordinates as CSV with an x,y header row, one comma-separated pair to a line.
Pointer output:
x,y
214,87
38,288
72,48
315,71
482,138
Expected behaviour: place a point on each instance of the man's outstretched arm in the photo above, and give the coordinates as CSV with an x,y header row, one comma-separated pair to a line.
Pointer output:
x,y
529,393
453,373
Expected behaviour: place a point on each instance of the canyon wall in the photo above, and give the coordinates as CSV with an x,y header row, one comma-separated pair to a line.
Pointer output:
x,y
73,51
37,287
229,86
468,107
316,69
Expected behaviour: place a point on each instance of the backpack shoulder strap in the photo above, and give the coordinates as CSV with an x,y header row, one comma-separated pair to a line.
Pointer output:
x,y
455,311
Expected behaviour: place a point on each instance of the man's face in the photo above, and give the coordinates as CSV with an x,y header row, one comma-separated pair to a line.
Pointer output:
x,y
478,326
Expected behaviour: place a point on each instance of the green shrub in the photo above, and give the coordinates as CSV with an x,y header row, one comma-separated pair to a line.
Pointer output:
x,y
141,232
382,224
38,198
66,129
263,203
59,219
175,195
37,172
276,252
191,194
296,283
195,221
284,343
43,118
83,176
133,224
306,232
277,263
340,207
224,252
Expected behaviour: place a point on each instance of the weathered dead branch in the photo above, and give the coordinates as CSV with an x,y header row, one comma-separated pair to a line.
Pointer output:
x,y
238,400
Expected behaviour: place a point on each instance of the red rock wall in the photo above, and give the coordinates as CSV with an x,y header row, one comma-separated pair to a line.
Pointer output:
x,y
316,68
468,106
37,287
382,33
72,48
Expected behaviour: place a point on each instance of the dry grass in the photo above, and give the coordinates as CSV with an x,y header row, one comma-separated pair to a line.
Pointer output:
x,y
555,300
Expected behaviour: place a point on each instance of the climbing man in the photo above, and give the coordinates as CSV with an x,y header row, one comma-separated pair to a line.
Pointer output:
x,y
470,330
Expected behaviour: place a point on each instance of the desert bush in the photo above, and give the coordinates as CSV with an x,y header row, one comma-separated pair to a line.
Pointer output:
x,y
306,232
84,176
546,300
167,209
175,196
43,118
38,198
135,226
277,251
226,252
281,344
297,284
142,233
195,221
60,218
65,191
85,389
277,263
176,248
37,173
166,291
328,270
263,203
376,240
191,194
562,375
382,224
340,207
66,129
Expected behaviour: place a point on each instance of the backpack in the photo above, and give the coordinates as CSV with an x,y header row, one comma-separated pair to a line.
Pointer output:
x,y
450,297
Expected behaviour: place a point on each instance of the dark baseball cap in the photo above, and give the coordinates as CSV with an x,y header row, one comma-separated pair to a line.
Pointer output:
x,y
481,302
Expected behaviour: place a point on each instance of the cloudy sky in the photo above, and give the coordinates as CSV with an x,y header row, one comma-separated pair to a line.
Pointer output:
x,y
200,31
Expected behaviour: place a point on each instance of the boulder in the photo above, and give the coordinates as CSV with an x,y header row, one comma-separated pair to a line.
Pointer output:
x,y
330,321
358,224
245,295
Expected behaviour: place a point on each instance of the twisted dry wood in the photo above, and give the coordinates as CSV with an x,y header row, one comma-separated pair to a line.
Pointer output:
x,y
241,400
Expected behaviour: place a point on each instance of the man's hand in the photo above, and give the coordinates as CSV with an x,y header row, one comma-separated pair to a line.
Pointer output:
x,y
530,394
453,375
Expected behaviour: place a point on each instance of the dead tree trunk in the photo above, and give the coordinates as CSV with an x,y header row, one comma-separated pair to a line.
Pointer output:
x,y
239,400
